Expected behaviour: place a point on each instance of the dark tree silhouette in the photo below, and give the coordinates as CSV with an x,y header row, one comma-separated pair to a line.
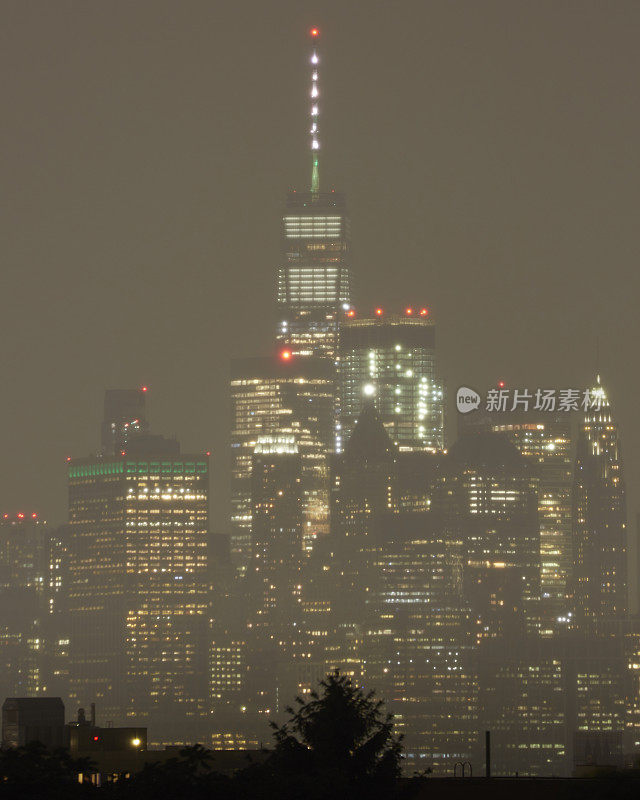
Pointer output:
x,y
35,771
338,742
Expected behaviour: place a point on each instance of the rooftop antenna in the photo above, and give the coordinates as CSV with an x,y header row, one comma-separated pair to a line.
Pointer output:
x,y
315,112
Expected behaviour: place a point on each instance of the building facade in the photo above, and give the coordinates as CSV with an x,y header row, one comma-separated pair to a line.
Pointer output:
x,y
285,398
391,358
314,277
600,519
137,586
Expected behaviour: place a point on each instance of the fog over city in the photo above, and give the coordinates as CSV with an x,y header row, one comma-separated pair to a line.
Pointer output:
x,y
319,349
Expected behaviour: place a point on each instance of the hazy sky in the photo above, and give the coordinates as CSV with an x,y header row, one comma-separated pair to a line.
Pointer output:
x,y
490,155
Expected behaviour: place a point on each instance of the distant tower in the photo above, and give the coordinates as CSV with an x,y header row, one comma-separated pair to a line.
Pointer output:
x,y
23,604
277,529
488,500
600,514
391,357
281,397
124,418
545,439
137,595
314,277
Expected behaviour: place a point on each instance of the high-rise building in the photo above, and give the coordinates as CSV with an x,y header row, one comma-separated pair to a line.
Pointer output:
x,y
544,438
282,398
391,358
124,418
487,498
314,276
277,526
600,517
398,582
138,591
23,604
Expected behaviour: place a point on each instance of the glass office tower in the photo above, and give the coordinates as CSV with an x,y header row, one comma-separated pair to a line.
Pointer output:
x,y
391,358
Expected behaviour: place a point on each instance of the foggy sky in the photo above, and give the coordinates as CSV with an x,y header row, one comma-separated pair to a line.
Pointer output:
x,y
489,151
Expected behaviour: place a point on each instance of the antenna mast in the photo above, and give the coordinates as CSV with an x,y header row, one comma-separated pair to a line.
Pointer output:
x,y
315,144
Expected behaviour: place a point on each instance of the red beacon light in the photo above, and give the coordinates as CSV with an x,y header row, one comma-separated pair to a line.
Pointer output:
x,y
34,515
96,738
351,313
424,312
379,312
20,515
408,311
208,453
314,32
123,452
285,355
5,516
501,384
68,459
144,388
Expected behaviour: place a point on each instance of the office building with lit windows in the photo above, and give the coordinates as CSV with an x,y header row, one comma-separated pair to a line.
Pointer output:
x,y
545,440
23,604
600,519
138,590
314,277
281,397
392,359
487,498
398,582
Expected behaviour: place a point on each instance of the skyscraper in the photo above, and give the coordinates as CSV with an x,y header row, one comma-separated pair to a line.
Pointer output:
x,y
487,498
281,397
398,583
314,276
545,439
23,604
138,590
391,358
600,517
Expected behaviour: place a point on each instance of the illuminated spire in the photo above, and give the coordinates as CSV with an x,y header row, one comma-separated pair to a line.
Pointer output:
x,y
315,113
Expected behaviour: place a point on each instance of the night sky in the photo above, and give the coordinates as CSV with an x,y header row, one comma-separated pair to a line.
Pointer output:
x,y
489,151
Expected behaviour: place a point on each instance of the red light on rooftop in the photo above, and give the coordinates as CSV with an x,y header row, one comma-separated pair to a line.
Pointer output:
x,y
501,384
68,458
123,452
314,32
379,312
351,313
20,515
424,312
5,516
285,355
408,311
208,453
144,388
96,738
34,515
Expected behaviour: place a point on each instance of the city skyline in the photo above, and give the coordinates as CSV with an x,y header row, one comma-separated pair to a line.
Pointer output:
x,y
461,237
335,511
